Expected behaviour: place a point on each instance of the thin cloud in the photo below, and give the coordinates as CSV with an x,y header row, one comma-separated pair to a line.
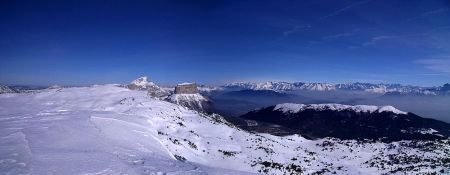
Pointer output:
x,y
436,30
336,36
352,5
428,13
296,29
429,74
438,64
377,39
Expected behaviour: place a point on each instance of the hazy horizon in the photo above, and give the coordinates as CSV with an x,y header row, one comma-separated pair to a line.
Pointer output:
x,y
214,84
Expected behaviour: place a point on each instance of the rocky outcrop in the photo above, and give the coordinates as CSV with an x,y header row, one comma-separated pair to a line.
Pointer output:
x,y
186,88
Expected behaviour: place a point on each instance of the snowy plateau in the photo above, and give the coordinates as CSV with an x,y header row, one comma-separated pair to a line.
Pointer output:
x,y
110,129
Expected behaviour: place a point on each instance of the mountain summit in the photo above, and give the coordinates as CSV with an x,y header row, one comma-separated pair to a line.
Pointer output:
x,y
140,83
143,83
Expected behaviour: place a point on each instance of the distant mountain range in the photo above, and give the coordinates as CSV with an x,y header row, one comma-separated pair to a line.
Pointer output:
x,y
384,123
142,83
366,87
19,88
6,89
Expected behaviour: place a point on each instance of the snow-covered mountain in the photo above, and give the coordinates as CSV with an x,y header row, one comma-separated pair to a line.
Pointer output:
x,y
277,86
351,122
106,129
153,90
367,87
187,95
317,87
6,89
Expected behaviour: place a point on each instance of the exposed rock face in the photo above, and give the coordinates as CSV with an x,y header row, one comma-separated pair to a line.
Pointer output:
x,y
154,90
186,88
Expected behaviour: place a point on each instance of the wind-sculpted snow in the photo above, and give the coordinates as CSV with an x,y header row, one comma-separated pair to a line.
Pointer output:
x,y
112,130
294,108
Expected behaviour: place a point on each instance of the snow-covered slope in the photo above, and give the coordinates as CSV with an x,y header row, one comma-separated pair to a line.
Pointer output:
x,y
192,101
112,130
294,108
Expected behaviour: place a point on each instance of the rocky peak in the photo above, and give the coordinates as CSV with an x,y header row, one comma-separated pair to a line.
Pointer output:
x,y
143,83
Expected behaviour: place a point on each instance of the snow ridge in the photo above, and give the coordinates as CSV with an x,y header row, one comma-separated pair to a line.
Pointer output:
x,y
294,108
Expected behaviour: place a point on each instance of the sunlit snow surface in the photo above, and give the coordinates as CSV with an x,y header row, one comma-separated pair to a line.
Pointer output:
x,y
112,130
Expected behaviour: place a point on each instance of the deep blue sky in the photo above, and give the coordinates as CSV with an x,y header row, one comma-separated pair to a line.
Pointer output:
x,y
88,42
